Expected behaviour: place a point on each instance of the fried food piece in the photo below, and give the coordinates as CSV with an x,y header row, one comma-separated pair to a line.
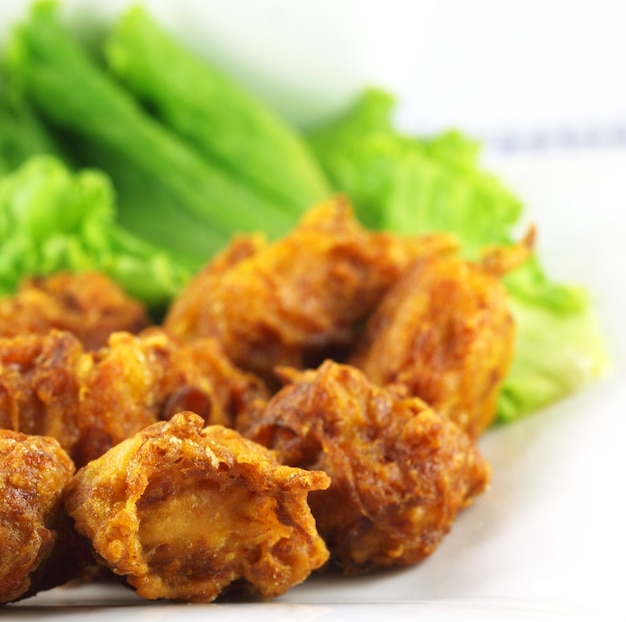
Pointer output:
x,y
90,401
445,332
182,512
138,380
187,315
293,301
200,377
87,401
89,305
118,391
39,385
400,471
34,473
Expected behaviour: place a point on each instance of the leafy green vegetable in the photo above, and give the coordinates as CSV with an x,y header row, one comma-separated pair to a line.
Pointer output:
x,y
223,121
199,206
52,219
405,184
22,133
560,347
409,185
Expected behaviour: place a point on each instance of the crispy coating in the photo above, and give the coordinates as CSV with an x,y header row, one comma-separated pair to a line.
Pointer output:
x,y
89,305
39,385
34,473
187,315
138,380
445,333
50,386
118,391
183,512
201,378
295,301
90,401
400,471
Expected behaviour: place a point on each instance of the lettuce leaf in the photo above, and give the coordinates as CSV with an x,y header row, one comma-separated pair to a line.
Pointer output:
x,y
226,124
168,193
407,184
22,132
403,183
53,219
560,346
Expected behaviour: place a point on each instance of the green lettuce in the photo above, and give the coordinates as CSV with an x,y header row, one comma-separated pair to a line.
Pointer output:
x,y
403,183
560,346
168,193
22,132
220,119
415,185
53,219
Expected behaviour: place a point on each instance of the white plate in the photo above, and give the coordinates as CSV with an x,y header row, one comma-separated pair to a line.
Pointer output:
x,y
547,540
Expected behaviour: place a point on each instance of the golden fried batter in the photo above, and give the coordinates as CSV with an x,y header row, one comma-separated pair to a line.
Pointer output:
x,y
34,473
87,401
140,379
294,301
89,305
201,378
90,401
186,317
118,391
444,331
182,512
39,386
400,472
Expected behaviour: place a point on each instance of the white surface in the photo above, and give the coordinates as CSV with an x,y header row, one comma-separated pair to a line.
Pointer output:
x,y
546,542
497,67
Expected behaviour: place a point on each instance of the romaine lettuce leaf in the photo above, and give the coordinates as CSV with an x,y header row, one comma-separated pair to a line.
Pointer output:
x,y
22,132
407,184
223,121
560,346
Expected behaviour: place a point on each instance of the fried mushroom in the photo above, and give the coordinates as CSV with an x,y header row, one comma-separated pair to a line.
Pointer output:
x,y
37,549
445,332
91,400
88,304
298,299
400,471
183,511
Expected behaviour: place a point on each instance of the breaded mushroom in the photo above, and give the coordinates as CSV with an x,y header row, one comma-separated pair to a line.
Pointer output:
x,y
445,332
88,304
37,549
184,512
301,298
400,471
90,401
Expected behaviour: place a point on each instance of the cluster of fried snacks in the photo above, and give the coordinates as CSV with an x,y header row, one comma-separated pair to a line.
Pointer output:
x,y
301,298
90,401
